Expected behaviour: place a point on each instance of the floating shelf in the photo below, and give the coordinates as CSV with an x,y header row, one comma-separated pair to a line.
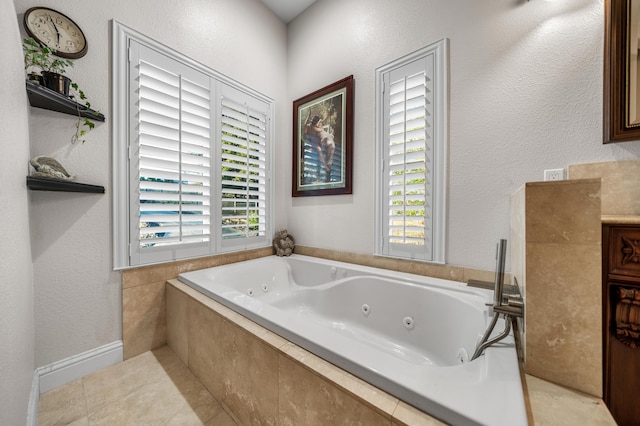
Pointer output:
x,y
44,184
43,97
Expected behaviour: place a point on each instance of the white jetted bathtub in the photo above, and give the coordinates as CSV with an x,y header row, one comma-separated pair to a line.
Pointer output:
x,y
410,335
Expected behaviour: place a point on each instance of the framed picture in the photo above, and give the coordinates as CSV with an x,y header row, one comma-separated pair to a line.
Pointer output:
x,y
323,141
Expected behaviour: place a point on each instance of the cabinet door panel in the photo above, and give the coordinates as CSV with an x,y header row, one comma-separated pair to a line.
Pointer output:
x,y
624,251
622,357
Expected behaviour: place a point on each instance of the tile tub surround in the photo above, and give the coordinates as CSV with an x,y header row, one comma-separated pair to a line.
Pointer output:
x,y
561,276
226,351
447,272
143,299
557,261
620,190
311,391
144,303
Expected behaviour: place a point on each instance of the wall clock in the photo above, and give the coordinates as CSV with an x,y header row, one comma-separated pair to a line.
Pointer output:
x,y
57,31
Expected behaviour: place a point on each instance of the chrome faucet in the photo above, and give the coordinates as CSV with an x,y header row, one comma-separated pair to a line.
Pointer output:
x,y
510,307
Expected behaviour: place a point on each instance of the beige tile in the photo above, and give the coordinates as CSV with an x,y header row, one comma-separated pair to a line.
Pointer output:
x,y
481,275
177,322
117,381
148,338
144,325
205,327
556,405
159,403
84,421
307,399
563,212
377,399
373,261
153,388
222,419
406,415
620,189
63,405
563,315
177,268
267,336
238,368
447,272
144,275
517,240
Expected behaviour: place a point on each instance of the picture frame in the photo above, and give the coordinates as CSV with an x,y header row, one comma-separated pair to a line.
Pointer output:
x,y
621,95
323,141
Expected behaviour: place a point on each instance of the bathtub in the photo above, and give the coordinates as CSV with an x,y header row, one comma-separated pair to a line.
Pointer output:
x,y
409,335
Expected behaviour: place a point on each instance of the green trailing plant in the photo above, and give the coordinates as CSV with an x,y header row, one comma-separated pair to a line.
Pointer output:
x,y
38,59
83,125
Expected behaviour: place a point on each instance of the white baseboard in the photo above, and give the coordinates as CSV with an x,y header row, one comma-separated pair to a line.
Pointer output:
x,y
58,373
34,397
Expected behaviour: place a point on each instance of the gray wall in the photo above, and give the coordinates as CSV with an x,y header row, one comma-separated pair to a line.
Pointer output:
x,y
16,286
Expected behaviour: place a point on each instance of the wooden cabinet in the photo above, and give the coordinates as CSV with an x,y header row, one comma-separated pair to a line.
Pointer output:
x,y
621,319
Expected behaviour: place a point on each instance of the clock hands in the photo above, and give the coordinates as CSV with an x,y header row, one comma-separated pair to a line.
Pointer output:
x,y
56,29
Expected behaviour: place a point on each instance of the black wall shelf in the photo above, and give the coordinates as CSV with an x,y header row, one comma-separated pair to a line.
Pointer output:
x,y
44,184
43,97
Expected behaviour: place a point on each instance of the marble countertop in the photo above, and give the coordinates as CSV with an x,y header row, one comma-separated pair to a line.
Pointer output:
x,y
551,404
621,219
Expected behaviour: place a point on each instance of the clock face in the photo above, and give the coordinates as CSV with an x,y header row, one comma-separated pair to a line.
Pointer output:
x,y
57,31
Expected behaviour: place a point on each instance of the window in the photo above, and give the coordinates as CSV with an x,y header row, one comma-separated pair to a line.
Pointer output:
x,y
411,155
191,157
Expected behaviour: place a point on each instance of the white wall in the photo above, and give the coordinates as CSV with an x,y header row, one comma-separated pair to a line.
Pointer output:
x,y
78,297
525,95
16,286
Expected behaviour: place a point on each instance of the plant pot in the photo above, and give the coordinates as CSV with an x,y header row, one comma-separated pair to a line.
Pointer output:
x,y
56,82
34,78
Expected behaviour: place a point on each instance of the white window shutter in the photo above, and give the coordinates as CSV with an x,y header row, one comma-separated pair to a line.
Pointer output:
x,y
171,159
191,159
411,153
244,129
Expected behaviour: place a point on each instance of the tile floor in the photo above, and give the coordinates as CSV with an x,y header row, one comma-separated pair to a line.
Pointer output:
x,y
154,388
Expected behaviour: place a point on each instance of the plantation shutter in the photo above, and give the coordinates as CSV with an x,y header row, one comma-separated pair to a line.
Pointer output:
x,y
244,123
408,164
411,153
191,157
171,158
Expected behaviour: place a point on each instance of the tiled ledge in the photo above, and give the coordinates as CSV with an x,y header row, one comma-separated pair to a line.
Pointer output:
x,y
447,272
621,219
551,404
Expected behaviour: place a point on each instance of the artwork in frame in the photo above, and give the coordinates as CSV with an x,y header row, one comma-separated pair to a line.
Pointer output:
x,y
323,141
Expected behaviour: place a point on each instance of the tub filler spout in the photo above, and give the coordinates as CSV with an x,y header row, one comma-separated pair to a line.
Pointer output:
x,y
510,307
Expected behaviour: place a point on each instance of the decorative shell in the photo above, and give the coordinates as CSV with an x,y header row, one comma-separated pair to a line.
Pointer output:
x,y
47,167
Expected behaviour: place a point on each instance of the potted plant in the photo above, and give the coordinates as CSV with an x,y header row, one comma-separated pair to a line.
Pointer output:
x,y
40,58
51,68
